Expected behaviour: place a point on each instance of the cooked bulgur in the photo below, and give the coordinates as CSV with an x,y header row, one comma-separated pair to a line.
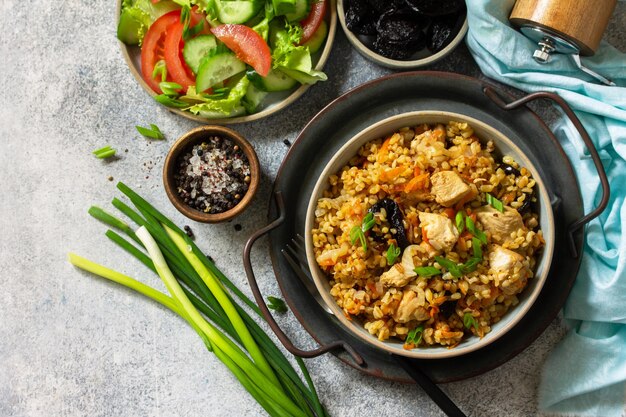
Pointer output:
x,y
461,218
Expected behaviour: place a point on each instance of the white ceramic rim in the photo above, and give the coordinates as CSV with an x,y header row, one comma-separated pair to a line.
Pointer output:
x,y
393,63
273,108
469,344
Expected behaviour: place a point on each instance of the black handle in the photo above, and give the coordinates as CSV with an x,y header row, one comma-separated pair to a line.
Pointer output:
x,y
606,192
265,310
434,392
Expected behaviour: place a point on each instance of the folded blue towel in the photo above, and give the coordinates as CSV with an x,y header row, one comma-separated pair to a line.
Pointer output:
x,y
585,374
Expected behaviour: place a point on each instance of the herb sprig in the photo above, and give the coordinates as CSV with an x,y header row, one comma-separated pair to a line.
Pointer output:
x,y
357,233
392,254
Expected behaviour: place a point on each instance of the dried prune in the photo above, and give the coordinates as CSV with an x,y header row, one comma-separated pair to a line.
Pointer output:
x,y
401,26
441,32
382,6
436,7
360,17
394,217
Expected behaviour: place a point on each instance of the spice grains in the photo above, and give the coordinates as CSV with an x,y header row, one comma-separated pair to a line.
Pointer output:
x,y
213,176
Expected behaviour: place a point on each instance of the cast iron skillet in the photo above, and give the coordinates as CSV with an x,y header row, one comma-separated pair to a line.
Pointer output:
x,y
399,93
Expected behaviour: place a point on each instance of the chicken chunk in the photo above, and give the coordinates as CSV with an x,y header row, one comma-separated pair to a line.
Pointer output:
x,y
410,308
441,233
510,264
396,276
449,188
500,225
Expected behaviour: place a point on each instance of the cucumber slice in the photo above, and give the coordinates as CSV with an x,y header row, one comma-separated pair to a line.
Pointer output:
x,y
282,7
197,48
276,80
303,7
317,40
253,98
216,68
238,11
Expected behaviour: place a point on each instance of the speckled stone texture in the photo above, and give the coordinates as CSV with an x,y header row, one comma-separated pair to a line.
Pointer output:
x,y
75,345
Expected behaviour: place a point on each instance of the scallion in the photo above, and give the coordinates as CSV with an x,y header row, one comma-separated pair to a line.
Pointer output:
x,y
495,203
427,271
276,304
392,254
170,88
152,132
266,374
451,266
160,70
471,227
415,336
460,220
368,222
104,153
469,321
171,102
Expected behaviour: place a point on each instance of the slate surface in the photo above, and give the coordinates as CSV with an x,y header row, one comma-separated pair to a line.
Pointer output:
x,y
75,345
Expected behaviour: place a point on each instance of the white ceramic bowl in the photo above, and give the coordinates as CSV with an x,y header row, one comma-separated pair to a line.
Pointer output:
x,y
422,59
504,146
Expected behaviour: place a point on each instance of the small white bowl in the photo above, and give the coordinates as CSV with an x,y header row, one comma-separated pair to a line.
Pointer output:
x,y
428,59
504,146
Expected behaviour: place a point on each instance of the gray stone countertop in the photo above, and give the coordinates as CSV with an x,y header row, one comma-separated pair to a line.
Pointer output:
x,y
72,344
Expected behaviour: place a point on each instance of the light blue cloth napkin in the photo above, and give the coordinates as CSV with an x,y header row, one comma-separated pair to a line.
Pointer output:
x,y
585,374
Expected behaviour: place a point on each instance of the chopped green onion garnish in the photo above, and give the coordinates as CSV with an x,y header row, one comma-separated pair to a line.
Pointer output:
x,y
477,247
469,321
170,88
357,234
427,271
471,226
460,221
368,222
495,203
160,69
415,335
153,132
451,266
392,254
104,153
470,265
276,304
171,102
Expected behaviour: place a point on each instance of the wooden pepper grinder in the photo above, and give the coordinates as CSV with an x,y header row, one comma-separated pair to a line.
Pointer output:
x,y
572,27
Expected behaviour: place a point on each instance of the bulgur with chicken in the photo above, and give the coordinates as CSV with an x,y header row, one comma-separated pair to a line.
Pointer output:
x,y
428,235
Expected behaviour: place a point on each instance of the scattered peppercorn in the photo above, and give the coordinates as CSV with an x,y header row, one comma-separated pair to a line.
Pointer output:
x,y
213,176
188,231
238,227
110,178
286,142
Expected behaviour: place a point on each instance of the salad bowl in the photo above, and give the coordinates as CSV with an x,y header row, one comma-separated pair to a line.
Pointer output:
x,y
271,104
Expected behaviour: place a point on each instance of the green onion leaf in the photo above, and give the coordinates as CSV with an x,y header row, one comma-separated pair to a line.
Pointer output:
x,y
427,271
160,69
469,321
154,132
470,265
392,254
415,335
171,102
460,221
190,33
451,266
368,222
357,234
276,304
495,203
471,226
477,247
104,153
170,88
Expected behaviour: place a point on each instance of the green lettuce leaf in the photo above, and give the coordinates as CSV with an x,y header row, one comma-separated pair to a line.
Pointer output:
x,y
228,106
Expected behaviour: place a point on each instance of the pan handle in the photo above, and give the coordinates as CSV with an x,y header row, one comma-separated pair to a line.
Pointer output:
x,y
576,225
265,310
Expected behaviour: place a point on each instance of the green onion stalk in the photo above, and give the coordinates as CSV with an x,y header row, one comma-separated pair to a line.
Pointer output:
x,y
203,296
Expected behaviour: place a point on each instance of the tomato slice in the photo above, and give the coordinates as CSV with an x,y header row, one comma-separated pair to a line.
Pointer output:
x,y
176,66
152,50
313,21
248,45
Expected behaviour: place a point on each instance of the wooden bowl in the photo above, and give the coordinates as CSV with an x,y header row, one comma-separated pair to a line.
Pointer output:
x,y
184,144
421,59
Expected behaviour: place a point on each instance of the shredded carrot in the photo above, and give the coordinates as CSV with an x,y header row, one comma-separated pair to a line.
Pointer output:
x,y
424,235
372,287
439,134
384,149
327,262
450,212
468,197
417,183
421,129
417,170
391,173
433,310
